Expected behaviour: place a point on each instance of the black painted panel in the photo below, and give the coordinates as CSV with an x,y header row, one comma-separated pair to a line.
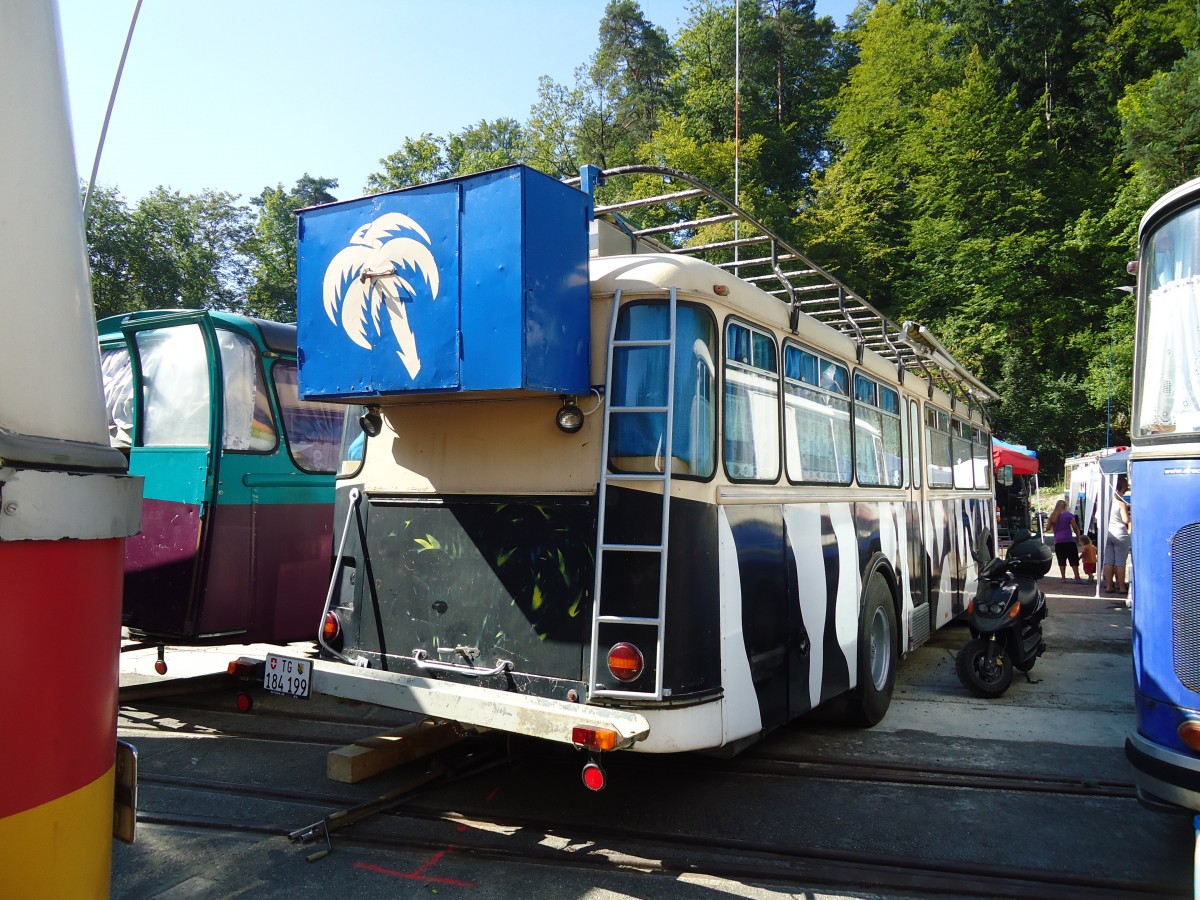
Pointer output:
x,y
512,578
758,535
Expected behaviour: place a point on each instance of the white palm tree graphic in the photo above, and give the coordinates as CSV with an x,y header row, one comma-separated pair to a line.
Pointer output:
x,y
376,273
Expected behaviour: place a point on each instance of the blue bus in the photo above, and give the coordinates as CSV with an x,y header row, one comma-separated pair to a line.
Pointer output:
x,y
1164,466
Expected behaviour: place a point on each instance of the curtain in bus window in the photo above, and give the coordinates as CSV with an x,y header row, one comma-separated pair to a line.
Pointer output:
x,y
249,423
116,369
1170,401
636,440
175,376
695,435
1171,344
816,418
982,455
639,378
893,441
818,436
877,438
960,442
751,405
937,442
868,444
313,428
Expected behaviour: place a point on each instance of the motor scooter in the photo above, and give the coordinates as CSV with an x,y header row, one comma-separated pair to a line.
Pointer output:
x,y
1005,618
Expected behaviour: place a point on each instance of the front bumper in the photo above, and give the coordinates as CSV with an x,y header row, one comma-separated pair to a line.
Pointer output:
x,y
1163,775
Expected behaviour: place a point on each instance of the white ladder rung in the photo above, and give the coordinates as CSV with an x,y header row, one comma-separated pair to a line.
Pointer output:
x,y
648,342
634,548
628,620
637,409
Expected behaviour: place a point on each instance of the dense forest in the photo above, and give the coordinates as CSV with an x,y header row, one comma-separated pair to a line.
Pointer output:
x,y
977,165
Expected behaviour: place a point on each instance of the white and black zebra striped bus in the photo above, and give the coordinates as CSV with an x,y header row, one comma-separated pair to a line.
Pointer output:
x,y
619,486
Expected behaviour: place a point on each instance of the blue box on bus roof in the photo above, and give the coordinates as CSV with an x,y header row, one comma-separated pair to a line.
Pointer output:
x,y
472,284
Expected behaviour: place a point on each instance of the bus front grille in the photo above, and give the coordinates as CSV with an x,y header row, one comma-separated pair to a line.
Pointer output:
x,y
1185,604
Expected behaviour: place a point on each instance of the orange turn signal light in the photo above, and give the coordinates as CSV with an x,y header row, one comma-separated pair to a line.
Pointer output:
x,y
1189,733
591,738
1015,611
245,667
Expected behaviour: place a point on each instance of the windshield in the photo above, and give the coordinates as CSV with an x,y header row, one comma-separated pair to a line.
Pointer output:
x,y
1169,395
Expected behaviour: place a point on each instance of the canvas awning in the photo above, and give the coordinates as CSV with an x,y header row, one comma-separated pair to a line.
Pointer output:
x,y
1022,459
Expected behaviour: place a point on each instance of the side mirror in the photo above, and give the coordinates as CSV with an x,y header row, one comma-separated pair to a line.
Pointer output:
x,y
1005,475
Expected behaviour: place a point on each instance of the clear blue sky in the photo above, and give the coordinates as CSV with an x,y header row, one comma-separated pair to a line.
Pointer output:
x,y
238,95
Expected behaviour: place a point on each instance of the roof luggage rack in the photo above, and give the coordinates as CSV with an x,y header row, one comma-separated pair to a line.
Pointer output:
x,y
777,268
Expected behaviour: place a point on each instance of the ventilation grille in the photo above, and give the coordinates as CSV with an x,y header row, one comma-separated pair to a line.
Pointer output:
x,y
1185,604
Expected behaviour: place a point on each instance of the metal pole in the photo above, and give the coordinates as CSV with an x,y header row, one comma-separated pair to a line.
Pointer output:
x,y
737,119
112,99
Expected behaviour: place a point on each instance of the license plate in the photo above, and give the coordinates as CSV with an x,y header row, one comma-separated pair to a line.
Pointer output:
x,y
286,676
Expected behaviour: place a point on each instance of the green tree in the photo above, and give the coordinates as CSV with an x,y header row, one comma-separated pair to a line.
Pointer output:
x,y
633,62
170,251
418,161
272,250
484,145
1161,128
111,250
857,223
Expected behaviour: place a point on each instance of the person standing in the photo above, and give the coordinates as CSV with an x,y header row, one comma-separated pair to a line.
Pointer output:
x,y
1065,527
1087,553
1116,542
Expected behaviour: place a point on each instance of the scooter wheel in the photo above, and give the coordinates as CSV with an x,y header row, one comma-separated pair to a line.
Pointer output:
x,y
982,677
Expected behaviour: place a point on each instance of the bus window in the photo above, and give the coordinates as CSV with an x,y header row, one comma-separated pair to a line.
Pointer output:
x,y
878,453
353,446
816,418
937,445
751,404
640,379
313,428
981,453
117,370
1170,383
249,423
175,386
960,443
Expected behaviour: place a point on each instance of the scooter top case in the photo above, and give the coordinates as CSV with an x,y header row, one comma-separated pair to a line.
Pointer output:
x,y
1030,558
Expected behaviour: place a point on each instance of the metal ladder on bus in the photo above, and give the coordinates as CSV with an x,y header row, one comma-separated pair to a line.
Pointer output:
x,y
606,549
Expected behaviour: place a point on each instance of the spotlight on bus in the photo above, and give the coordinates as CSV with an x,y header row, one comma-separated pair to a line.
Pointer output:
x,y
371,422
570,418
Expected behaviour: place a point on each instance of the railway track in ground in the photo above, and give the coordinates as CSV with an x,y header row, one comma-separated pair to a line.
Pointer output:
x,y
421,824
777,763
569,836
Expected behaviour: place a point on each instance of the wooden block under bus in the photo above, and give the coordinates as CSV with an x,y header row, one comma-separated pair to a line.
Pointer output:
x,y
372,755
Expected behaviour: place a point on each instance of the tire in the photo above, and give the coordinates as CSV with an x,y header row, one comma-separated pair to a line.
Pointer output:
x,y
981,678
868,703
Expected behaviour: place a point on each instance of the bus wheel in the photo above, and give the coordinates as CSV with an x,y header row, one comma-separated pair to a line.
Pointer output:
x,y
876,656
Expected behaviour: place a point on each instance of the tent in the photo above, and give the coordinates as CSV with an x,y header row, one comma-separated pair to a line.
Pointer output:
x,y
1023,460
1024,464
1093,484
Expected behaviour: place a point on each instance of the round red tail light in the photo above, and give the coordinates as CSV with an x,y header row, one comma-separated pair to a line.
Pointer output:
x,y
625,661
594,778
